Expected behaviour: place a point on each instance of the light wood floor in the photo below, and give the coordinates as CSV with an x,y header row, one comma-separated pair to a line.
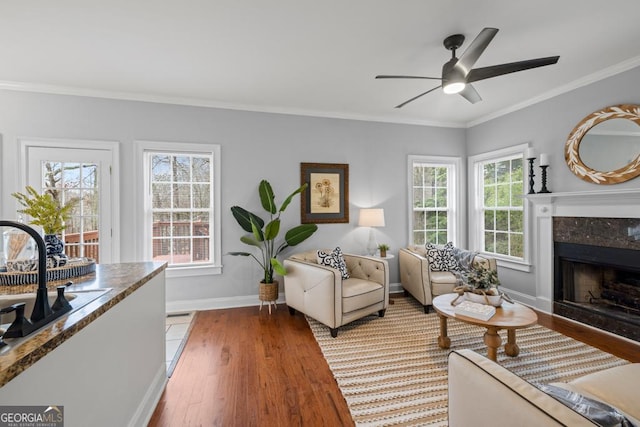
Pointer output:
x,y
242,367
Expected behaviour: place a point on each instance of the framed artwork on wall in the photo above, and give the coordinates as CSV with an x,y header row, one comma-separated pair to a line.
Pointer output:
x,y
326,199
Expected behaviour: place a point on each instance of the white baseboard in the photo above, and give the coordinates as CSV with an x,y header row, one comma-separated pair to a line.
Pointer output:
x,y
545,305
525,299
234,302
216,303
395,288
151,398
539,303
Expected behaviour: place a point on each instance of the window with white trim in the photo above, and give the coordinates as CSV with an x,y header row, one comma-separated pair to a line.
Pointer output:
x,y
433,196
500,215
181,202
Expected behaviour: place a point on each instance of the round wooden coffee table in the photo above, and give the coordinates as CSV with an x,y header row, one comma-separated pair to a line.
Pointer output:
x,y
508,316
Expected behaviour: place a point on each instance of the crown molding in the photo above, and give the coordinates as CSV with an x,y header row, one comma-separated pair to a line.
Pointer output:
x,y
584,81
198,102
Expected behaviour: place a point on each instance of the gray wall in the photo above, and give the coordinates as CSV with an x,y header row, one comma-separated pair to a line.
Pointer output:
x,y
546,126
272,146
254,146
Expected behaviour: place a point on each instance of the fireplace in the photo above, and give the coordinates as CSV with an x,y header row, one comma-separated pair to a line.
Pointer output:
x,y
608,218
598,286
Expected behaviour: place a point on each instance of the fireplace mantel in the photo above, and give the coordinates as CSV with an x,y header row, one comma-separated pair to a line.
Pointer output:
x,y
622,203
605,203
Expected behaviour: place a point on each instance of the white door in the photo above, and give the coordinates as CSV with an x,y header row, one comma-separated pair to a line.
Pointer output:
x,y
82,175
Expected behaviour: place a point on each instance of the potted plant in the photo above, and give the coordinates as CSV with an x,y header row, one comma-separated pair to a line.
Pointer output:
x,y
263,236
47,212
481,285
483,279
383,247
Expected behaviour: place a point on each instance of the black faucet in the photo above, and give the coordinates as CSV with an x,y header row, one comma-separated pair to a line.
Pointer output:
x,y
41,308
42,312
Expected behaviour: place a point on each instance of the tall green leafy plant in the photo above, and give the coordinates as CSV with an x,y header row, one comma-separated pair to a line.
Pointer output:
x,y
263,234
45,210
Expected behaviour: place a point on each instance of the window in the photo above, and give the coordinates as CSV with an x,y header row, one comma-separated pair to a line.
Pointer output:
x,y
433,196
181,187
76,181
500,216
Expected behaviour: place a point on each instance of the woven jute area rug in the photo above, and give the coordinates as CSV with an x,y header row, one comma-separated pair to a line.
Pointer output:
x,y
392,372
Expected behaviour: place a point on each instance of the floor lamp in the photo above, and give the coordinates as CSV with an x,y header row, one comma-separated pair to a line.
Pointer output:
x,y
371,218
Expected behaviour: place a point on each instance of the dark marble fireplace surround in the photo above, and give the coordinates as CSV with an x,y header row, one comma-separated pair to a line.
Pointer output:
x,y
597,273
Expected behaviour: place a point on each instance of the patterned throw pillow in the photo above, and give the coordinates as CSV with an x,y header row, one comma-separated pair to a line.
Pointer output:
x,y
334,259
442,259
598,412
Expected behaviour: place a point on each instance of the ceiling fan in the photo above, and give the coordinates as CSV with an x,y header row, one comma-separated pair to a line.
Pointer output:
x,y
458,74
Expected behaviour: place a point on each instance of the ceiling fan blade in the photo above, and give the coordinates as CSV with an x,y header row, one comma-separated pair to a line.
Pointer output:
x,y
511,67
407,77
416,97
470,94
472,53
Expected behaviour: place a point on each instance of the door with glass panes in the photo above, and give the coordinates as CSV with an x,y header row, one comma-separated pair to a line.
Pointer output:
x,y
82,176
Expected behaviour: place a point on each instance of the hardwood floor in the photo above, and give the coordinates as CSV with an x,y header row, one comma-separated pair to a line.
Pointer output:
x,y
242,367
620,347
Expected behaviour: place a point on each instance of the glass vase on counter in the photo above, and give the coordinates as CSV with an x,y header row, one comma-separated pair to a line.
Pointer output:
x,y
17,244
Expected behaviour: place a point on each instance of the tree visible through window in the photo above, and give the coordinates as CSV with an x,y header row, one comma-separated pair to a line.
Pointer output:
x,y
67,181
502,188
431,201
181,207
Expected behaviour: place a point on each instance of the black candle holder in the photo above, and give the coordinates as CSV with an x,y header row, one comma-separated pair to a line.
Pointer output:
x,y
544,180
531,175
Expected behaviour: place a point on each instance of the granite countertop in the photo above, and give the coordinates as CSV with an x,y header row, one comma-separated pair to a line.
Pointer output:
x,y
120,279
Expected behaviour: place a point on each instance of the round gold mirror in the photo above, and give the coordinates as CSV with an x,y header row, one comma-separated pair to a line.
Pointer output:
x,y
604,148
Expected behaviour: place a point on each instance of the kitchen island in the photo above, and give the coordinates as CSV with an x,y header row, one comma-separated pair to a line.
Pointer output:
x,y
104,362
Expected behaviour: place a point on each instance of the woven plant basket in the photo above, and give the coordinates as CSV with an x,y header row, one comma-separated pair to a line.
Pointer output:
x,y
268,291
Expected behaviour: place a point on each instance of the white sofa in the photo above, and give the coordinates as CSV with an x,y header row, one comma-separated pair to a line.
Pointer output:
x,y
320,292
483,393
417,278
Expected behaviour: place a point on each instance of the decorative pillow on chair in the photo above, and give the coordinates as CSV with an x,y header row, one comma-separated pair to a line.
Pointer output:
x,y
442,259
595,410
334,259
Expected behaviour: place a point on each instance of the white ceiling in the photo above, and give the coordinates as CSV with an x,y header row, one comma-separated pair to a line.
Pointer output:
x,y
311,57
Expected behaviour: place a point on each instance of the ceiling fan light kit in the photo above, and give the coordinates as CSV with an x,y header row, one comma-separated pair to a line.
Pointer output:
x,y
453,87
458,73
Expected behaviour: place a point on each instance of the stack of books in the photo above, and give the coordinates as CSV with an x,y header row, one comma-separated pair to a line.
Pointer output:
x,y
475,310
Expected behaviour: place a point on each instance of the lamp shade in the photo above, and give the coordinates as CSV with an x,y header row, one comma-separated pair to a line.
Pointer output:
x,y
371,218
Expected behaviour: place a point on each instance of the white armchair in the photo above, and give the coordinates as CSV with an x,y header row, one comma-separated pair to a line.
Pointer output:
x,y
418,280
320,292
516,402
